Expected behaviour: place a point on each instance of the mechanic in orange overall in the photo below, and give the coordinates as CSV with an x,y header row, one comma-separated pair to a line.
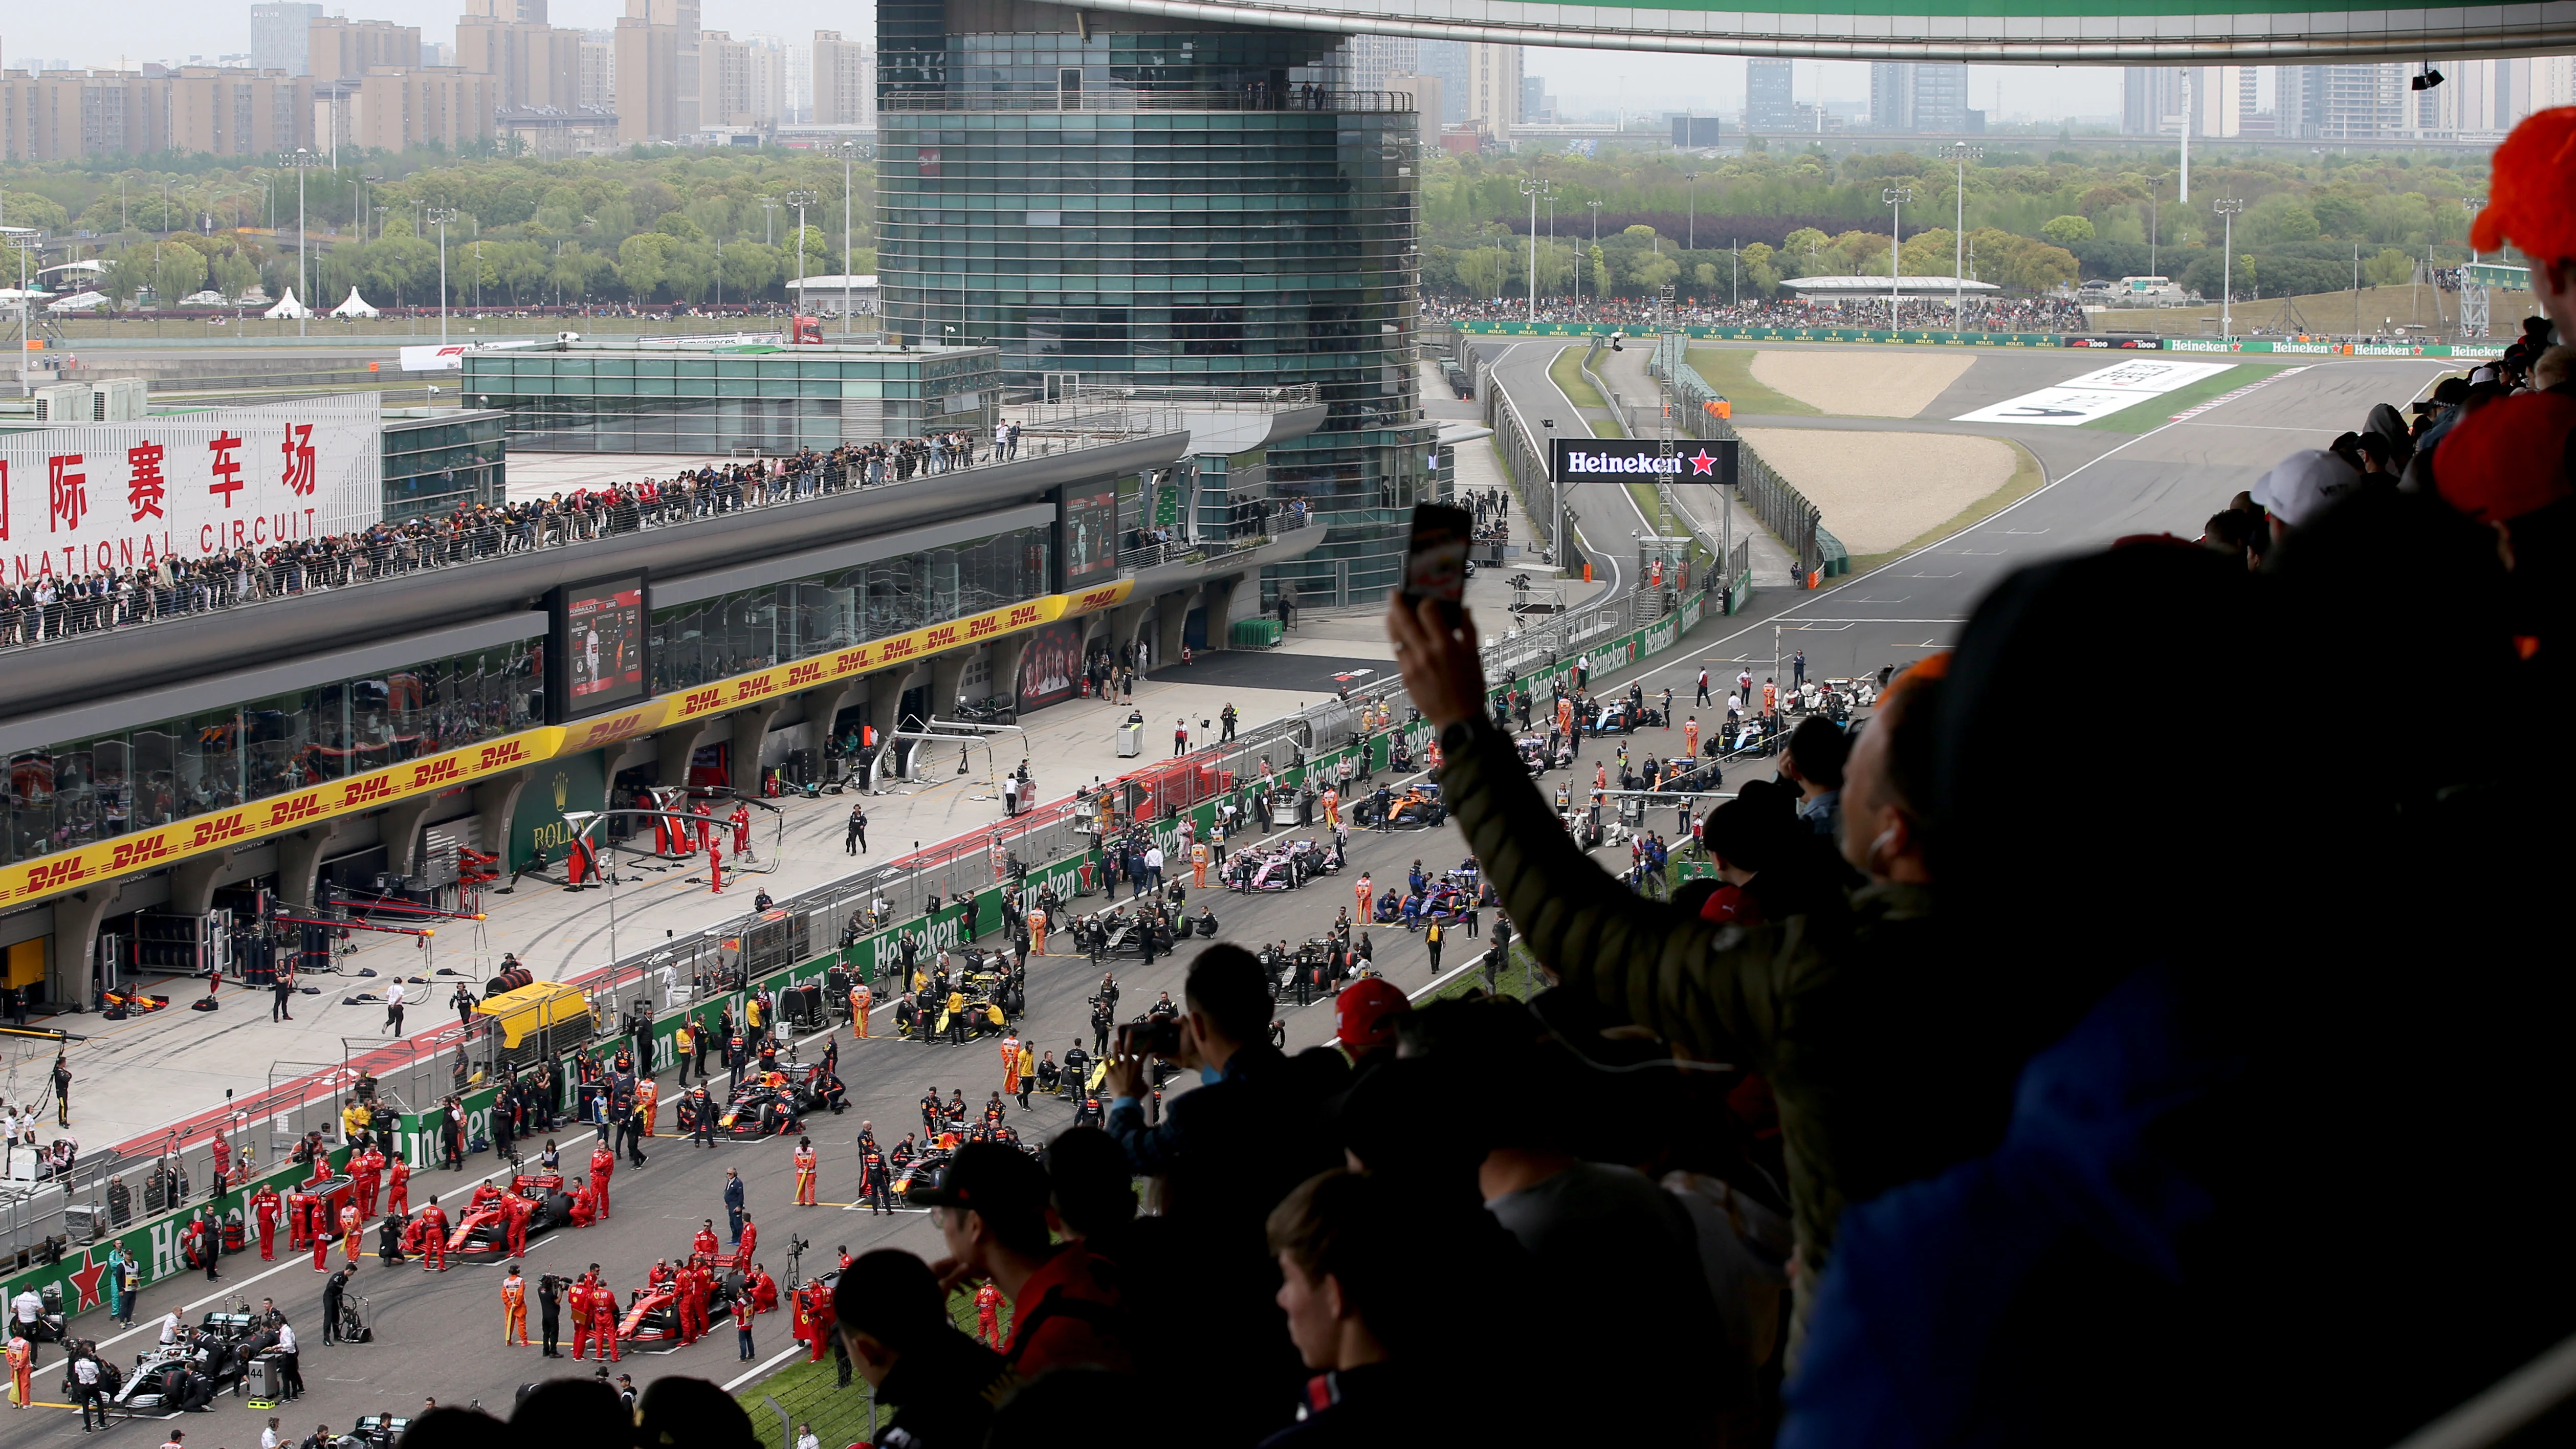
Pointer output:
x,y
514,1309
805,1172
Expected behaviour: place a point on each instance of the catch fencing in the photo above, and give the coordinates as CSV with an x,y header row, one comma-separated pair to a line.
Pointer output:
x,y
1785,511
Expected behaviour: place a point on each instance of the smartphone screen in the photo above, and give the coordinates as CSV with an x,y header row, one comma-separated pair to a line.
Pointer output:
x,y
1435,562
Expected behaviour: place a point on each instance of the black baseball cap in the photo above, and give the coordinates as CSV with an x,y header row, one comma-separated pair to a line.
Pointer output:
x,y
988,1177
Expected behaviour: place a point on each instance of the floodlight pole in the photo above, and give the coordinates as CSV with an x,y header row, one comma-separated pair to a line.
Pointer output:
x,y
1534,190
1895,197
1959,237
2227,208
440,216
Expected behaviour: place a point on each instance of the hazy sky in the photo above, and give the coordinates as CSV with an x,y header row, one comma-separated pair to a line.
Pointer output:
x,y
1582,80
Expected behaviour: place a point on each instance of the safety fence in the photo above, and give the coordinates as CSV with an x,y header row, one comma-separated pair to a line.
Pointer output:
x,y
1945,338
1698,409
643,998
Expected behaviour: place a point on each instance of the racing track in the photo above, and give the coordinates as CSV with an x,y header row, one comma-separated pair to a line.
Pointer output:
x,y
435,1333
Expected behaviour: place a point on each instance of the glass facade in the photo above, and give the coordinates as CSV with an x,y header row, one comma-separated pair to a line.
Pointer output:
x,y
98,788
1156,204
775,623
775,401
436,465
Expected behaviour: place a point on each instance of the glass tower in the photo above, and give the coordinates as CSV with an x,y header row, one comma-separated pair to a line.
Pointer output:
x,y
1137,200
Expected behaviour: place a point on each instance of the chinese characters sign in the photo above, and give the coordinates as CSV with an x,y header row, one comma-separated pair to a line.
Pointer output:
x,y
101,496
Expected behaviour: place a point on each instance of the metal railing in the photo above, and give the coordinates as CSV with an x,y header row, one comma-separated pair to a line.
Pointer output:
x,y
1245,98
1797,523
86,606
1214,551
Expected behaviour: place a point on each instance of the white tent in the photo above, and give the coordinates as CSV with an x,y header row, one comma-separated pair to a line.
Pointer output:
x,y
287,306
356,306
79,302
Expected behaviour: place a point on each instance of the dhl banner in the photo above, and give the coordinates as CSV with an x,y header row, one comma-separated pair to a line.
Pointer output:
x,y
782,679
171,843
107,859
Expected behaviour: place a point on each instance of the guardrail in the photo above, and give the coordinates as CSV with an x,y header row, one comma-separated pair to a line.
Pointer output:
x,y
1785,511
393,550
1945,338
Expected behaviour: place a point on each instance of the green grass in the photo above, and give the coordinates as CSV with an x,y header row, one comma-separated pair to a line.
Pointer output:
x,y
2026,480
1567,371
810,1392
2155,412
1730,371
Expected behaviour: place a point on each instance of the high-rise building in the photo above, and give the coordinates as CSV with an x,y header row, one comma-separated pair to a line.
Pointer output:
x,y
845,89
658,82
599,69
337,49
277,35
1493,87
2215,99
648,82
746,82
1446,62
1377,59
800,84
1537,106
1921,97
1044,187
1425,91
516,12
1770,99
2342,102
2479,98
59,114
402,110
533,63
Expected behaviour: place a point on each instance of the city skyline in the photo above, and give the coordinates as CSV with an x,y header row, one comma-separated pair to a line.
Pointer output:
x,y
1583,85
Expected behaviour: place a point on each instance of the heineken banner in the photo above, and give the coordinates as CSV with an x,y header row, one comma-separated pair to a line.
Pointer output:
x,y
1638,460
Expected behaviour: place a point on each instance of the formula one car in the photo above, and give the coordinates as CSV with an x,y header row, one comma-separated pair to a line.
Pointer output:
x,y
760,1107
1126,936
1416,805
1626,716
165,1380
922,1171
1538,759
486,1229
653,1314
1446,901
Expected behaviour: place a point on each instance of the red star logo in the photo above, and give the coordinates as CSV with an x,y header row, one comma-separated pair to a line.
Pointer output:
x,y
86,1280
1704,462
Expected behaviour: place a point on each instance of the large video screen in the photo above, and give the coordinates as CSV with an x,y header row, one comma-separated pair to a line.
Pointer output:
x,y
603,645
1090,536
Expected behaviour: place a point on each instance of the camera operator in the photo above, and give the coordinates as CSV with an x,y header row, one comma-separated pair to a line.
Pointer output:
x,y
1227,1151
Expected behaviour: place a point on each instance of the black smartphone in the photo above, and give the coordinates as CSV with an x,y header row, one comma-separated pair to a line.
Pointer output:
x,y
1435,561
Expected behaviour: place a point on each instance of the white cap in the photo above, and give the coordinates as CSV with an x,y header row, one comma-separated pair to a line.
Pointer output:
x,y
2301,485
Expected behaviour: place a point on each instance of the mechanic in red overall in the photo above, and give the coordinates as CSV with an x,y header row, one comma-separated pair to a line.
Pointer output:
x,y
690,1292
264,1206
433,1237
398,1188
603,1321
742,1250
518,1210
603,1165
705,1244
988,1316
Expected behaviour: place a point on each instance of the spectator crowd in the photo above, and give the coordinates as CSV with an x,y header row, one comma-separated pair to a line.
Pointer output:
x,y
1983,314
53,607
2042,1066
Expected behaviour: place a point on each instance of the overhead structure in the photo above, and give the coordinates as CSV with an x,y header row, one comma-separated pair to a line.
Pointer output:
x,y
2047,32
1876,289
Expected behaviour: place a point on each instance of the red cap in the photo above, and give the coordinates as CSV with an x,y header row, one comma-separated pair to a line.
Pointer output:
x,y
1364,1014
2508,458
2528,200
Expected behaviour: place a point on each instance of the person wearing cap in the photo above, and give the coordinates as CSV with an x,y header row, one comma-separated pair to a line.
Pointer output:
x,y
2302,486
991,1207
1364,1019
2530,205
941,1385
